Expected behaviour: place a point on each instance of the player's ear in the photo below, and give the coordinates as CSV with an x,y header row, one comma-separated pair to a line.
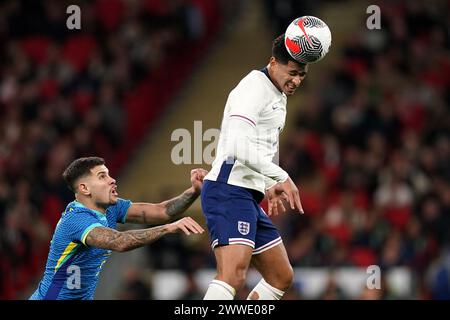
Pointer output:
x,y
272,61
83,189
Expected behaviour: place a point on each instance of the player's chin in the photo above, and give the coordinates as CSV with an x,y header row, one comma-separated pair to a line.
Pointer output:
x,y
113,199
289,91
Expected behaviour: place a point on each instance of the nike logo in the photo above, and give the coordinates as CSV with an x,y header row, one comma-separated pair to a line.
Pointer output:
x,y
302,27
295,48
276,106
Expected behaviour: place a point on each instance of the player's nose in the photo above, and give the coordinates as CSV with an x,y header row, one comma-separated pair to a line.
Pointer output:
x,y
297,80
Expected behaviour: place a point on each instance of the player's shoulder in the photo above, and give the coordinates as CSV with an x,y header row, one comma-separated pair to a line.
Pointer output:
x,y
76,210
254,83
254,77
258,80
120,205
73,207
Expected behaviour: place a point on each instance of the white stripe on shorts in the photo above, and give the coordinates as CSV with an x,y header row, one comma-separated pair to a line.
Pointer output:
x,y
231,241
268,246
214,243
243,241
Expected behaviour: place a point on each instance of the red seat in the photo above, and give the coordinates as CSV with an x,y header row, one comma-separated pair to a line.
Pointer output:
x,y
82,101
397,216
78,51
340,233
52,208
362,256
48,89
109,13
36,48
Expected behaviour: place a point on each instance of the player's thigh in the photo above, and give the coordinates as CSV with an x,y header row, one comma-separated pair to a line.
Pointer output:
x,y
232,258
274,266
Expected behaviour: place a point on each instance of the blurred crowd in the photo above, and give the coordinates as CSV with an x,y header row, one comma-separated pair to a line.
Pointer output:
x,y
70,93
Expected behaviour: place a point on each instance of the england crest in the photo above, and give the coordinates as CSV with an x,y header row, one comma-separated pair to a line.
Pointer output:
x,y
243,227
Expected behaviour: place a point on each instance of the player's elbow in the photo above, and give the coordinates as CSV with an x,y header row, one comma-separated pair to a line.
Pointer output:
x,y
118,248
159,214
121,249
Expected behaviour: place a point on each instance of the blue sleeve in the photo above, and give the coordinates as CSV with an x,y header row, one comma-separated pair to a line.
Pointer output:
x,y
121,208
78,224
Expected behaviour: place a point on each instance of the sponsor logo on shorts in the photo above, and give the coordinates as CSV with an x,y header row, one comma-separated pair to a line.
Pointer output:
x,y
243,227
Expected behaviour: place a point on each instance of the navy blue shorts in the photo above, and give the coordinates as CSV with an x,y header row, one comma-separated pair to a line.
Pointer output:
x,y
233,216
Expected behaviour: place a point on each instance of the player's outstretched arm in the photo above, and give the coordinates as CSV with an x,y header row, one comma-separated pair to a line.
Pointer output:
x,y
149,213
111,239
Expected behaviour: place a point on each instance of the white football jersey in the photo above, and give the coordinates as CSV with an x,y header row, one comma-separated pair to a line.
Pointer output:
x,y
256,110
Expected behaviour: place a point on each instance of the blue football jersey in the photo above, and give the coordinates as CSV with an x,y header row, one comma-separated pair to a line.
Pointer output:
x,y
72,269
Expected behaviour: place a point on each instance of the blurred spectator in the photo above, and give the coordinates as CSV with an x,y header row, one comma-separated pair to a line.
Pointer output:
x,y
134,286
332,291
192,290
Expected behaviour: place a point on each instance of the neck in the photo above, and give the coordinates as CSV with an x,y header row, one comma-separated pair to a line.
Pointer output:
x,y
88,203
270,72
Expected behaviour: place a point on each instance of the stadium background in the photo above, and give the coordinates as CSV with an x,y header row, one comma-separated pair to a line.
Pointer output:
x,y
367,136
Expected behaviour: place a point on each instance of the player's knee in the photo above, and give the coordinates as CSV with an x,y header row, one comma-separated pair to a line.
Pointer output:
x,y
241,276
236,277
283,279
286,278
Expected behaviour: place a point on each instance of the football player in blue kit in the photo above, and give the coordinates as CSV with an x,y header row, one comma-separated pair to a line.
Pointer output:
x,y
86,234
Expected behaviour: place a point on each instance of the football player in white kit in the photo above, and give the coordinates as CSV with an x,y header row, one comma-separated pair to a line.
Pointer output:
x,y
242,173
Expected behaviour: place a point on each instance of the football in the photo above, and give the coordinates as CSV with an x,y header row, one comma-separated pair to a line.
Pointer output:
x,y
307,39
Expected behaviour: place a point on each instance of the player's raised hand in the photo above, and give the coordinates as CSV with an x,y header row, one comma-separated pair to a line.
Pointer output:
x,y
292,194
275,196
197,176
186,225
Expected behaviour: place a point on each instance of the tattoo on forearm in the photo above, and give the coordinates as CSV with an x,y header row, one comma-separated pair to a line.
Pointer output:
x,y
144,218
180,204
123,241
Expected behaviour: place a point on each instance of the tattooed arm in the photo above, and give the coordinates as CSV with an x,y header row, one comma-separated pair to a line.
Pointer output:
x,y
111,239
149,213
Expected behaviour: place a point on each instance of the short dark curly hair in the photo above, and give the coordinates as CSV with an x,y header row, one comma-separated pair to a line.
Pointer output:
x,y
79,168
280,53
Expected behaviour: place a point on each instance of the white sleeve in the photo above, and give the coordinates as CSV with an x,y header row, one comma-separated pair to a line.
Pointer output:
x,y
247,100
239,145
269,182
